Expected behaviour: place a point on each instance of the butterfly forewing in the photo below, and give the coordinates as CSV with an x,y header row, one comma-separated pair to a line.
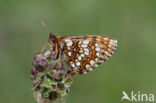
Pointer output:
x,y
84,53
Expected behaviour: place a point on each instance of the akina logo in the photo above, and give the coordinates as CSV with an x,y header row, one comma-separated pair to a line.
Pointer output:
x,y
137,97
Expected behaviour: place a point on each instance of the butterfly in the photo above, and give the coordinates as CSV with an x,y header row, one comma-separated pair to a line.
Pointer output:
x,y
83,53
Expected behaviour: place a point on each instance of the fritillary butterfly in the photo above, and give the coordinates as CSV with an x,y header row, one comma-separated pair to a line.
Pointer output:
x,y
83,53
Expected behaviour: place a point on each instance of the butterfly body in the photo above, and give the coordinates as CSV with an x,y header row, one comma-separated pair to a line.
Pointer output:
x,y
83,53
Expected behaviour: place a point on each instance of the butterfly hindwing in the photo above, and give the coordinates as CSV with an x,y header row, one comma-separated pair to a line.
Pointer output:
x,y
84,53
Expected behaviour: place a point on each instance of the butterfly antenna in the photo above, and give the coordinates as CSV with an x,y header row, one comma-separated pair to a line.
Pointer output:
x,y
45,26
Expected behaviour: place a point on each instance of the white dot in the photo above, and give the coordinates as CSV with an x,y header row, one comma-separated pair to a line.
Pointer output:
x,y
85,42
109,45
79,58
87,50
81,50
86,53
114,49
73,65
78,63
116,41
97,60
82,55
92,62
70,43
107,53
105,57
69,53
111,42
97,49
85,72
98,54
84,46
105,38
68,48
76,60
88,67
80,42
97,44
109,50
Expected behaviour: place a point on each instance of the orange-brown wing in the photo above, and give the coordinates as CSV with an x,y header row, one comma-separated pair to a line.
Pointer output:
x,y
84,53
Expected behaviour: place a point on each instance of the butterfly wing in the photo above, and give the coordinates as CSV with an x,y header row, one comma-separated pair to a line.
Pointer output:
x,y
84,53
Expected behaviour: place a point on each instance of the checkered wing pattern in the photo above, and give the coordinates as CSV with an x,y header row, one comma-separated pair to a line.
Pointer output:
x,y
84,53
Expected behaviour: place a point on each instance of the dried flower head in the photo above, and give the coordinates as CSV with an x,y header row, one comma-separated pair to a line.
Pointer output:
x,y
51,78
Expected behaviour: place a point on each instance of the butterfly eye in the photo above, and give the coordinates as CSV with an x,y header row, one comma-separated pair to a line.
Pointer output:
x,y
52,39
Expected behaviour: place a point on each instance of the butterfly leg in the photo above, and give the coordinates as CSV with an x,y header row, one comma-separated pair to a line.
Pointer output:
x,y
59,57
51,46
56,50
44,47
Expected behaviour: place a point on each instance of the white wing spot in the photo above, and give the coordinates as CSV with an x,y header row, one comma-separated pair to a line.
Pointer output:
x,y
80,42
82,55
84,46
70,43
98,54
85,42
79,58
97,60
86,53
85,72
68,48
87,50
81,50
105,39
72,64
109,45
97,49
92,62
76,60
78,63
112,52
105,57
109,50
107,53
97,44
88,67
115,41
69,53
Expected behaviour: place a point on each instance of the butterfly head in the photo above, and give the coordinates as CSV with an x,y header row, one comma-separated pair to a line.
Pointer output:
x,y
52,38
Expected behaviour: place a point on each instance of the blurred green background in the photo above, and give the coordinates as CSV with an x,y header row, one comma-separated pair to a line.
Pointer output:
x,y
131,22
